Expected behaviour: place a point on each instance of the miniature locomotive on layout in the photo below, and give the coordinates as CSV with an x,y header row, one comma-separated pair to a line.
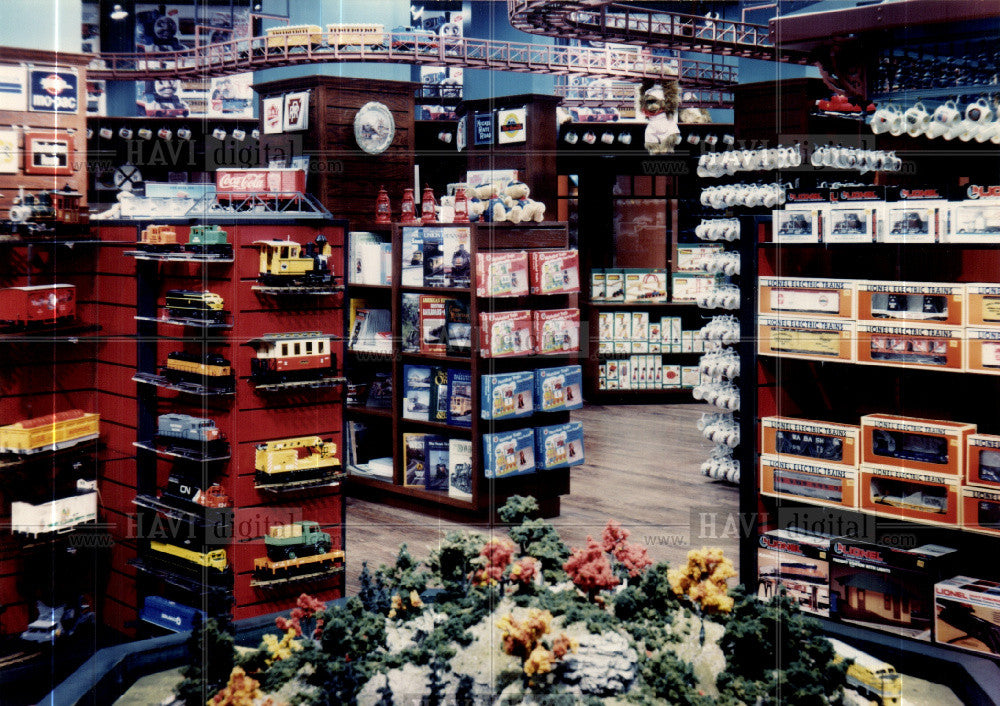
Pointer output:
x,y
285,263
202,240
48,212
202,307
190,436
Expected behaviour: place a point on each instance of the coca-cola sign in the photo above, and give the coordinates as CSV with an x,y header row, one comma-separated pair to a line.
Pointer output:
x,y
259,181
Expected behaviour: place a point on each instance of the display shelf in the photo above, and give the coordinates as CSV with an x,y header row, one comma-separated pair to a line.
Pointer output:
x,y
65,243
368,411
311,578
435,358
434,290
12,461
56,334
181,454
298,384
188,323
430,424
206,258
187,387
290,291
297,486
196,587
641,304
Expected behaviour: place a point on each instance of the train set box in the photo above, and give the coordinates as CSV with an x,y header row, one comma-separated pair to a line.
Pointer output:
x,y
806,297
982,350
915,219
982,461
928,302
982,304
823,442
915,444
886,588
981,510
910,346
808,481
967,614
894,491
800,337
798,223
798,564
509,453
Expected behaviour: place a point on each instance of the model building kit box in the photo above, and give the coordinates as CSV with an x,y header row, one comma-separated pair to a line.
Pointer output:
x,y
975,221
559,445
645,285
806,297
926,302
916,444
799,337
885,588
826,443
920,216
614,286
687,286
509,453
559,389
982,304
981,510
798,564
556,330
982,461
506,333
555,271
798,223
967,614
895,491
851,222
982,350
910,346
502,274
808,481
507,395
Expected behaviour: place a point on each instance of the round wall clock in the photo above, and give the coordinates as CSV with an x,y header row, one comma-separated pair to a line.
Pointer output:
x,y
374,128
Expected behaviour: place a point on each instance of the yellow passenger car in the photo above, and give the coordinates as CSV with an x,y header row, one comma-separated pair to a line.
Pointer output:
x,y
358,34
294,36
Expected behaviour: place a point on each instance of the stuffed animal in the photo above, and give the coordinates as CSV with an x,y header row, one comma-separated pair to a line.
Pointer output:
x,y
519,206
487,204
659,101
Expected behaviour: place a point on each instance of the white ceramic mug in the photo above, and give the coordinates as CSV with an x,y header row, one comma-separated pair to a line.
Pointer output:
x,y
916,119
979,112
945,121
881,120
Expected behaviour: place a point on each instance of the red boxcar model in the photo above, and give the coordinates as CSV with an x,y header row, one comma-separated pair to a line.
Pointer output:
x,y
38,305
259,182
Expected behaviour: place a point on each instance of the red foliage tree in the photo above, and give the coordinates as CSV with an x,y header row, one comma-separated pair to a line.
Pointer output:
x,y
590,569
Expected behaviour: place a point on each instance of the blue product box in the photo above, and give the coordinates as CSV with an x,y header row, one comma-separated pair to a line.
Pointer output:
x,y
558,389
559,445
507,395
509,453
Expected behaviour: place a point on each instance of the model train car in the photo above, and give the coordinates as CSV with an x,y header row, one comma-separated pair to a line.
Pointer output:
x,y
871,677
50,432
287,263
158,238
55,623
212,564
38,305
184,434
292,357
201,307
186,495
209,240
302,459
209,370
296,548
808,486
48,211
910,447
58,516
170,615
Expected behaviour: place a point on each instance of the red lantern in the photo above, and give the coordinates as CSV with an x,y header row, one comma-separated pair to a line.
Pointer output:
x,y
382,210
409,207
461,207
428,210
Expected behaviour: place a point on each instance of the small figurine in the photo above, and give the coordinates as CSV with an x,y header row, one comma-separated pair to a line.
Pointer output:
x,y
428,206
382,209
408,206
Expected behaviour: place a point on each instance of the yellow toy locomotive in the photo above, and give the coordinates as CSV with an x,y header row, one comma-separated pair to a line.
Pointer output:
x,y
285,263
208,370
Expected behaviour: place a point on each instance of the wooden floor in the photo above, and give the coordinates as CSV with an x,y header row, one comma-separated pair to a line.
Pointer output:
x,y
642,469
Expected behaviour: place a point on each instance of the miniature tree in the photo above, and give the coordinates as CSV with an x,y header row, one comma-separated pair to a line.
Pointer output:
x,y
493,561
590,569
352,632
306,618
211,658
373,592
464,693
631,559
454,560
518,509
703,580
406,582
241,690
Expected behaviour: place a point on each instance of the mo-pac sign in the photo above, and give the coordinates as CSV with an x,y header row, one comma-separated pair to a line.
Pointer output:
x,y
53,90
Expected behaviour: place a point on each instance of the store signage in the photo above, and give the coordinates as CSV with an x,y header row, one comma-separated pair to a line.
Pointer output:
x,y
511,125
258,181
482,126
8,152
54,90
273,113
296,111
13,88
983,192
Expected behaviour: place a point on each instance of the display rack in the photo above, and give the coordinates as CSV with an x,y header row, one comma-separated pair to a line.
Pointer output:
x,y
486,494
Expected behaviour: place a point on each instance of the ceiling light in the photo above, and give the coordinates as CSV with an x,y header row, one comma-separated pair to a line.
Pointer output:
x,y
118,13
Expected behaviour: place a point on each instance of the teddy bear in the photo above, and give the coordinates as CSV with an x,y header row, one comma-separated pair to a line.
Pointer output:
x,y
487,204
519,206
659,101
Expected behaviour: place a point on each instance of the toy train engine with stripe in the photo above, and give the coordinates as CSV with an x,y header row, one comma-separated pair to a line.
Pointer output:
x,y
191,495
201,307
287,263
292,357
209,370
186,435
297,460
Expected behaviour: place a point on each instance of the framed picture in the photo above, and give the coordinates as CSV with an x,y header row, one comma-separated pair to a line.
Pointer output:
x,y
48,153
273,115
296,111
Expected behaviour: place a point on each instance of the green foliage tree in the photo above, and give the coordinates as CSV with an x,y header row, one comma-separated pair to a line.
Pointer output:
x,y
452,561
373,592
518,509
351,632
211,657
540,539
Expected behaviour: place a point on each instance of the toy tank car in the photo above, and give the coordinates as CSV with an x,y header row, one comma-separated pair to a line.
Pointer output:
x,y
38,305
182,433
208,240
49,211
201,307
156,238
209,370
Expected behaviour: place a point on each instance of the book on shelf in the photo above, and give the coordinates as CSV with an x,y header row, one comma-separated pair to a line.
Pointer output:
x,y
509,453
559,389
417,392
436,257
366,257
439,395
459,397
436,453
432,325
381,467
413,257
457,259
559,445
365,443
409,318
433,258
507,395
380,391
458,328
460,468
414,459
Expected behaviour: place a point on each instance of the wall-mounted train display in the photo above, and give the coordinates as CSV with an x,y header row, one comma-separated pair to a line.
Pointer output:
x,y
203,240
189,495
195,307
296,551
197,438
290,358
209,372
303,460
56,516
51,432
48,213
37,306
288,264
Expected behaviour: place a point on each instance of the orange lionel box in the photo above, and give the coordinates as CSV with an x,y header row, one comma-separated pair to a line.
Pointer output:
x,y
910,346
892,491
982,461
916,444
981,510
806,297
799,337
822,442
982,304
920,302
982,350
808,481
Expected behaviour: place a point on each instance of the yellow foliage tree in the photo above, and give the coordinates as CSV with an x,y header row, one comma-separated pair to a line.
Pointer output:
x,y
703,580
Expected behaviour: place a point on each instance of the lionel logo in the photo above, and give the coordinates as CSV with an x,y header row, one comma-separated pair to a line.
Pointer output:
x,y
857,552
919,194
857,195
787,547
54,84
511,125
941,591
983,192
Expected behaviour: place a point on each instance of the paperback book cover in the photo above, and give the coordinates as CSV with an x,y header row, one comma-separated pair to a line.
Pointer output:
x,y
439,395
458,328
457,259
432,324
409,315
364,258
413,257
555,271
380,391
417,392
460,468
436,452
502,274
460,397
414,459
434,258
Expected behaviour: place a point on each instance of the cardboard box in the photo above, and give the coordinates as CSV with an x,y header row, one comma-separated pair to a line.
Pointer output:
x,y
690,375
909,346
605,332
967,614
982,461
559,446
806,297
822,442
640,328
597,293
671,376
975,221
887,589
645,285
686,286
851,222
917,444
557,330
808,481
797,563
691,257
558,389
981,510
554,271
982,304
982,350
925,302
914,221
502,273
505,333
509,453
507,395
614,286
800,337
897,492
798,223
